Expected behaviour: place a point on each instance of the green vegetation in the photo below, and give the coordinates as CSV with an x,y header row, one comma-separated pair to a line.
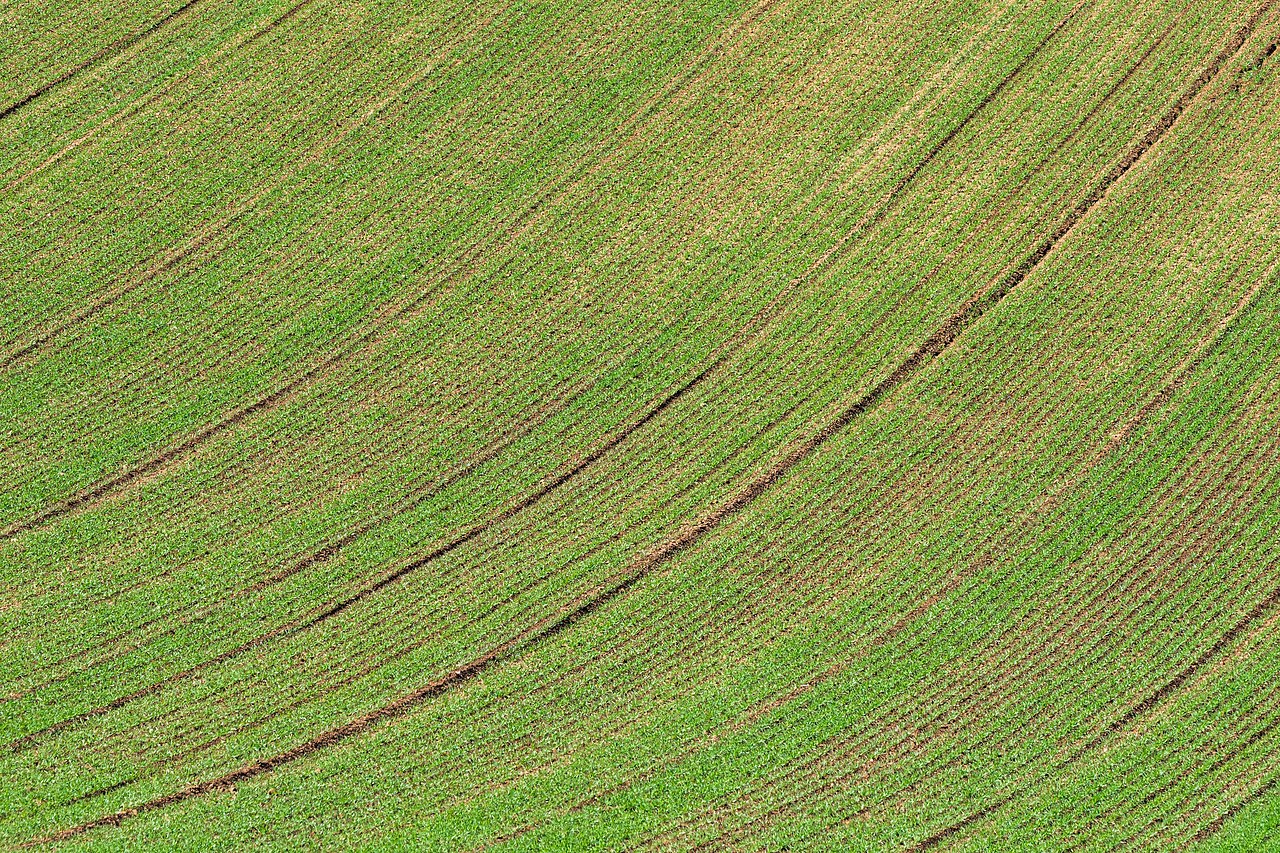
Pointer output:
x,y
773,425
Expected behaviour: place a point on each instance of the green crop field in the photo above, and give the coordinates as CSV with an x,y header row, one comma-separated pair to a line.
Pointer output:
x,y
640,424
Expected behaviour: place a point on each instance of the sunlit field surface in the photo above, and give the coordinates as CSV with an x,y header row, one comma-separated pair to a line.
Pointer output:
x,y
640,424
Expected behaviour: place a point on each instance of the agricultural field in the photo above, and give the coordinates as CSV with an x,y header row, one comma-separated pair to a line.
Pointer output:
x,y
640,424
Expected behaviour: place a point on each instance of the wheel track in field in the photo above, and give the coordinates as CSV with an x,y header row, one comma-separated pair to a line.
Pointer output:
x,y
175,256
323,552
754,326
115,48
589,602
466,266
1270,602
1176,380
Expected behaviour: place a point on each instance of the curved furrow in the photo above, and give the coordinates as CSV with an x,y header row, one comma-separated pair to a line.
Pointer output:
x,y
584,605
868,221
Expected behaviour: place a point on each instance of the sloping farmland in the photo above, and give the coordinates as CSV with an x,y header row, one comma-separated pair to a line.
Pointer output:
x,y
730,424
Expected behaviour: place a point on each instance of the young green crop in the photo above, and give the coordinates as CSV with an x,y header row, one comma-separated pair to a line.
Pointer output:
x,y
776,425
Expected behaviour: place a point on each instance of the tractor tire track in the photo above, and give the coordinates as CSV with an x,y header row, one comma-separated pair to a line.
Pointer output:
x,y
1175,380
1262,609
326,550
465,267
760,319
116,47
316,556
106,300
230,47
589,602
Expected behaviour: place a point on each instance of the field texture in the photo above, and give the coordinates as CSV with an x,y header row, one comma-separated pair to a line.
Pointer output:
x,y
640,424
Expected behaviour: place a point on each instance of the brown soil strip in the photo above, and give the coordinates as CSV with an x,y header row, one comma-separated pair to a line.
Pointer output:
x,y
877,213
116,47
554,622
1189,364
220,226
288,15
104,488
982,302
122,480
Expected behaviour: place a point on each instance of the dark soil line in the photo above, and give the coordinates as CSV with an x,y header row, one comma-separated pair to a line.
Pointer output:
x,y
41,339
99,792
323,612
106,487
877,214
527,502
288,15
970,313
328,550
555,622
116,47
